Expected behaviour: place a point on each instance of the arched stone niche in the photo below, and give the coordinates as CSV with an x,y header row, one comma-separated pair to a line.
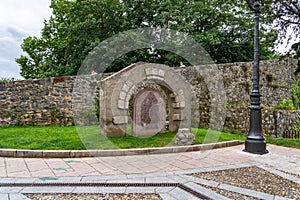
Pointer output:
x,y
149,113
117,90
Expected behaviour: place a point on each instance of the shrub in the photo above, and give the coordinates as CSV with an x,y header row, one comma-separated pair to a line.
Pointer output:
x,y
285,104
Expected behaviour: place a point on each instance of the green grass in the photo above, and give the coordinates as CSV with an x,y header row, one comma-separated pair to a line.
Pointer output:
x,y
210,136
87,137
286,142
40,138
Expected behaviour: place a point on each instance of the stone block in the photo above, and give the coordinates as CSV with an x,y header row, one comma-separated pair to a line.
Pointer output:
x,y
127,99
125,88
184,130
105,153
122,104
161,73
8,152
178,117
120,119
122,95
172,95
180,92
179,104
112,130
148,71
30,153
56,154
80,153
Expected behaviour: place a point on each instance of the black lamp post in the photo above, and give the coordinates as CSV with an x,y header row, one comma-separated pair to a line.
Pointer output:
x,y
255,142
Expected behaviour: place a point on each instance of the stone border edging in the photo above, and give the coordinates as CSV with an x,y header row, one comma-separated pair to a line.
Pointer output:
x,y
20,153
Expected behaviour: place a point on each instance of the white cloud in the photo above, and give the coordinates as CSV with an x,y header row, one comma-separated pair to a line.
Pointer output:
x,y
18,20
26,14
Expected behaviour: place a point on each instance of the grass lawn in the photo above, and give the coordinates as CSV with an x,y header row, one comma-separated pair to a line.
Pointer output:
x,y
87,137
286,142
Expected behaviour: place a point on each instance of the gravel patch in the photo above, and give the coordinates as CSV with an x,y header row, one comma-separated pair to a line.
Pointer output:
x,y
135,196
229,194
254,178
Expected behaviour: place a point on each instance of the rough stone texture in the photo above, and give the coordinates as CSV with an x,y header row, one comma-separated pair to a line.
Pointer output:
x,y
117,90
75,100
285,120
184,137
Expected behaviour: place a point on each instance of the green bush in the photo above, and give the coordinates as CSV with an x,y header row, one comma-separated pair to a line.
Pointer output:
x,y
294,103
296,127
285,104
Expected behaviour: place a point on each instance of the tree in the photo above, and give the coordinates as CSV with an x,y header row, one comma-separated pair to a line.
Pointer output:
x,y
285,16
223,28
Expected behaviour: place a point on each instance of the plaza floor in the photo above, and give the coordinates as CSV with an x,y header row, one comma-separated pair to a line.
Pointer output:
x,y
163,174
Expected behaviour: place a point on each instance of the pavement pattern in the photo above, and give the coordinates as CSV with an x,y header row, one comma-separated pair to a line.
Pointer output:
x,y
19,176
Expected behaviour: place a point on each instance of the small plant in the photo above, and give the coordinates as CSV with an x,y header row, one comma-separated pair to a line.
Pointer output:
x,y
294,103
296,127
285,104
296,94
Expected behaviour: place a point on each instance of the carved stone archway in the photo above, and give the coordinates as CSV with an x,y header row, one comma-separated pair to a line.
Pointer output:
x,y
116,91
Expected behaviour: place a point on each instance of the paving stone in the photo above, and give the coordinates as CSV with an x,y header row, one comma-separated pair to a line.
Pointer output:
x,y
89,190
50,189
163,190
180,194
140,190
167,197
17,197
8,190
248,192
205,191
131,180
29,153
4,197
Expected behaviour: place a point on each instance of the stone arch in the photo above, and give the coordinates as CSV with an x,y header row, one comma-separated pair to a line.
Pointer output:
x,y
116,91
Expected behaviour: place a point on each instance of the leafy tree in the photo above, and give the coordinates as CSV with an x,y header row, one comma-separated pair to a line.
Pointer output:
x,y
285,16
224,28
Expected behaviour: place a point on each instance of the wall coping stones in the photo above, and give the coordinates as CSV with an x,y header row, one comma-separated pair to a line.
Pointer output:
x,y
20,153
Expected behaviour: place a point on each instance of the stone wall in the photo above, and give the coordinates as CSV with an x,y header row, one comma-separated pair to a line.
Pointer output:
x,y
36,102
285,120
49,101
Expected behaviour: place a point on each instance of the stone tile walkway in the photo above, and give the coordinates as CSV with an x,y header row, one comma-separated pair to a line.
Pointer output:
x,y
158,168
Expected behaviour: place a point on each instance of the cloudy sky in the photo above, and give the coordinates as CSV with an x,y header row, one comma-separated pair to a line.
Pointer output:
x,y
18,20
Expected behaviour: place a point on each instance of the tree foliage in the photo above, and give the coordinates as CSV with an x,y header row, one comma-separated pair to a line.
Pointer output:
x,y
224,28
285,16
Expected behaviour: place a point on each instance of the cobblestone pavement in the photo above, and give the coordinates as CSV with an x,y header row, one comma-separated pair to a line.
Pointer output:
x,y
169,174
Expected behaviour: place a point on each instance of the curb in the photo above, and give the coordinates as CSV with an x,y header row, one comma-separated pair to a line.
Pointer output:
x,y
19,153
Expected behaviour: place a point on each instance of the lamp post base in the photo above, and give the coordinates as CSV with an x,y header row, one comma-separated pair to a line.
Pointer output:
x,y
256,146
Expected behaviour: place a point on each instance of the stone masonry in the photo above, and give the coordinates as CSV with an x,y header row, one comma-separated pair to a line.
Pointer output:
x,y
50,101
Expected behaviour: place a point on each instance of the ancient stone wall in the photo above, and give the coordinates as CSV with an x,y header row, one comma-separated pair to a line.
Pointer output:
x,y
49,101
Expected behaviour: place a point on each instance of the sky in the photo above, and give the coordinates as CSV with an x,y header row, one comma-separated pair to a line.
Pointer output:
x,y
18,20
